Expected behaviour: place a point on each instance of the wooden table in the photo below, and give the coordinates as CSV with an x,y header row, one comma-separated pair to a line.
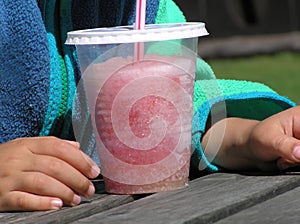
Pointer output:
x,y
215,198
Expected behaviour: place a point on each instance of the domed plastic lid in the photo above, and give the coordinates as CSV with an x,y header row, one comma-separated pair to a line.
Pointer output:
x,y
127,34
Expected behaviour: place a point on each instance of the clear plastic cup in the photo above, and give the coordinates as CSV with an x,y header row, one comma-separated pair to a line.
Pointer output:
x,y
139,86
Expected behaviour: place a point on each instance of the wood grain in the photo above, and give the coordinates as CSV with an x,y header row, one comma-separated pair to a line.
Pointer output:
x,y
281,209
206,200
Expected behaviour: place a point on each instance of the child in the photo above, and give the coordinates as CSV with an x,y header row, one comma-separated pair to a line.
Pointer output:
x,y
38,79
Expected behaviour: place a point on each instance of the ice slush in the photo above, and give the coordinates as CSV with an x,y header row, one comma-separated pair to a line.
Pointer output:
x,y
142,113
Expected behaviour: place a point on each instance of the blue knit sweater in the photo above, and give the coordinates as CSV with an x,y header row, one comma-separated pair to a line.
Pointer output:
x,y
39,73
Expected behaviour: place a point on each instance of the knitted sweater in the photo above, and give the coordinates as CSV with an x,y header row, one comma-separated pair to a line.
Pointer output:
x,y
39,73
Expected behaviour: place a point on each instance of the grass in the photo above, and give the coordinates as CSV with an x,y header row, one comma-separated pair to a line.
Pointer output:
x,y
281,71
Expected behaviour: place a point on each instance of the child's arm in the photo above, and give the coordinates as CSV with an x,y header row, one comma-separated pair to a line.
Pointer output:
x,y
250,144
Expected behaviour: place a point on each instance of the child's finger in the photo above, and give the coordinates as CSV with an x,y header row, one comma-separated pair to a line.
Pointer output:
x,y
288,148
67,152
41,184
64,173
22,201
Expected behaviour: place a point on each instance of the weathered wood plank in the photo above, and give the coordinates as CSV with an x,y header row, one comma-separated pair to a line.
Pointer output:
x,y
281,209
206,200
89,206
68,214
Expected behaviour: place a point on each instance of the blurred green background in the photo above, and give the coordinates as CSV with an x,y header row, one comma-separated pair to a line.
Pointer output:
x,y
279,71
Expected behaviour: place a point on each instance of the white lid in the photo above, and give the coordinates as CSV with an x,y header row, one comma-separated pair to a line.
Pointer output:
x,y
127,34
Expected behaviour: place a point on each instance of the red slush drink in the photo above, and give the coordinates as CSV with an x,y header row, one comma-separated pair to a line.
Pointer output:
x,y
142,115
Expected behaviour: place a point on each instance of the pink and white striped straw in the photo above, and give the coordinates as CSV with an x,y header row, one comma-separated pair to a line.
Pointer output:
x,y
140,20
140,16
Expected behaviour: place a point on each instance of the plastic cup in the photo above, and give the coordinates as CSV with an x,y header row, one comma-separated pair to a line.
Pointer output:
x,y
139,86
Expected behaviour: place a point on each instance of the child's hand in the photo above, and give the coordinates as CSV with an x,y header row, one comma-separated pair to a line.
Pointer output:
x,y
42,173
278,138
249,144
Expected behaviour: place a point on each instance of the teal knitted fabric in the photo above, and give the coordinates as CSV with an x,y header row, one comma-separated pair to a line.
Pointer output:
x,y
55,94
58,118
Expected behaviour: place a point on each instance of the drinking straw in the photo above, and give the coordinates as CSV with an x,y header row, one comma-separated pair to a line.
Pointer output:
x,y
140,17
140,20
